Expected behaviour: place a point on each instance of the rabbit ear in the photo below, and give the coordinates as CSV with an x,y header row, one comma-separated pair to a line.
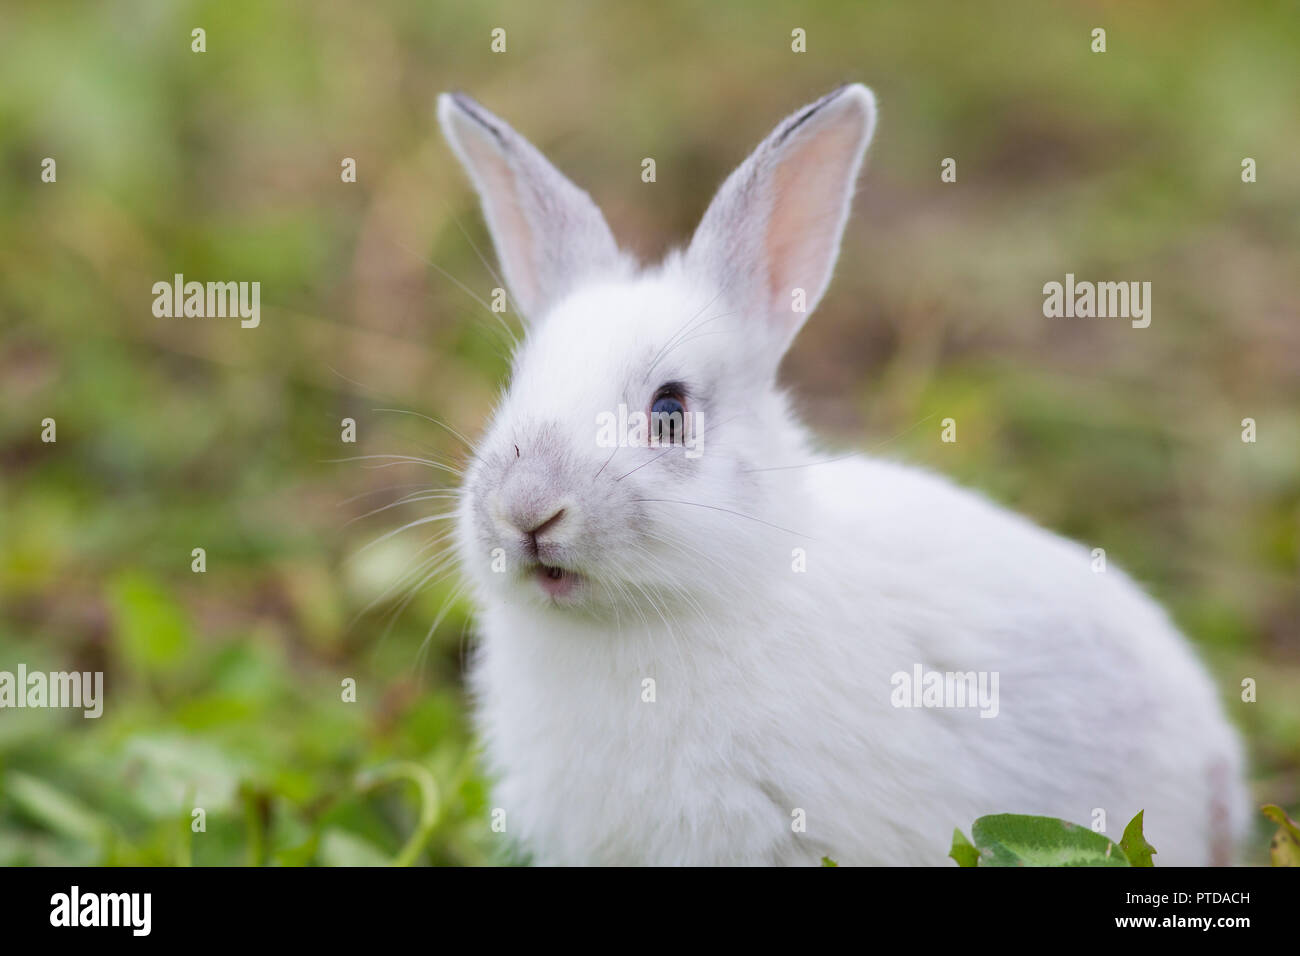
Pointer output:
x,y
772,234
548,232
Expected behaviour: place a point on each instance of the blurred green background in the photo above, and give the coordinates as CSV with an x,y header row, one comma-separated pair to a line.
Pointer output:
x,y
223,688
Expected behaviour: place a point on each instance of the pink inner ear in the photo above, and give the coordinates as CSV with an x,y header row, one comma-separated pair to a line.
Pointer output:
x,y
811,186
510,228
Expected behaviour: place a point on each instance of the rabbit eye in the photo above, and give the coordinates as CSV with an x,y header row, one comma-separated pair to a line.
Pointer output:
x,y
668,414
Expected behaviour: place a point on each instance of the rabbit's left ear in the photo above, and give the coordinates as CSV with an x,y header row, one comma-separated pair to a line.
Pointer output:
x,y
548,233
771,236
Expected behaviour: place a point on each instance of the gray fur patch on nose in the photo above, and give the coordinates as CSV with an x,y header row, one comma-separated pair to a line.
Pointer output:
x,y
533,489
533,511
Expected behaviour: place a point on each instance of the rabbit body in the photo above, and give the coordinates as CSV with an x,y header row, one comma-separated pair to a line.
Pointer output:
x,y
713,659
780,700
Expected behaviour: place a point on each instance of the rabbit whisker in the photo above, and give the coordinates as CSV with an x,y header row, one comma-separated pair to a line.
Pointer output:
x,y
659,355
441,424
396,460
643,464
410,524
607,461
406,500
740,514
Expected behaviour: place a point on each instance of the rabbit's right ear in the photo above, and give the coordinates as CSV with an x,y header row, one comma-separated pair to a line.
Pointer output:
x,y
771,236
548,233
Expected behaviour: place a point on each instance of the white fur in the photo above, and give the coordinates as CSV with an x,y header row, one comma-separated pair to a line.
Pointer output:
x,y
773,687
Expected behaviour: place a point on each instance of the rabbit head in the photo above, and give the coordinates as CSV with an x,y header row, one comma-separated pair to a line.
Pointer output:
x,y
637,451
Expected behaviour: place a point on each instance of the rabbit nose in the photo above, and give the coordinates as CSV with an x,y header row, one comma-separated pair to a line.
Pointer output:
x,y
533,519
530,513
550,522
538,532
532,505
531,543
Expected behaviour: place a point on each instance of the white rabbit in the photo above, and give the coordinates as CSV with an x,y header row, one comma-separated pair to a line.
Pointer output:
x,y
694,642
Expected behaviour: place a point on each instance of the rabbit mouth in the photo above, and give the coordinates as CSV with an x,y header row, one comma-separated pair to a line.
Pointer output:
x,y
555,581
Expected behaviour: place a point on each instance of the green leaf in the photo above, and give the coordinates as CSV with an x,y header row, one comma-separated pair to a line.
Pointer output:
x,y
54,809
1135,845
430,802
963,851
1010,839
165,773
827,861
1285,846
343,848
152,629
